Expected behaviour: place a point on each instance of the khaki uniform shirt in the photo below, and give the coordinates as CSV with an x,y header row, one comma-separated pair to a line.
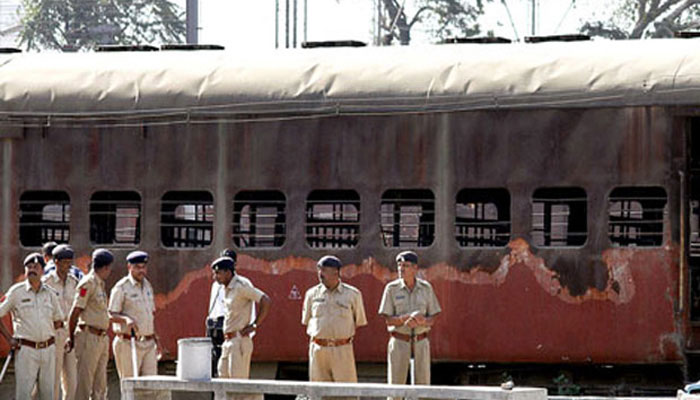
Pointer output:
x,y
91,297
33,313
398,300
333,314
66,290
239,296
136,300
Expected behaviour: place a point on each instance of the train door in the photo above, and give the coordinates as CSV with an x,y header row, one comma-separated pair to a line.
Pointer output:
x,y
693,221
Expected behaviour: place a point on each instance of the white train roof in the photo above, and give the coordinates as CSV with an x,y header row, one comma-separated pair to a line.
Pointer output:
x,y
434,78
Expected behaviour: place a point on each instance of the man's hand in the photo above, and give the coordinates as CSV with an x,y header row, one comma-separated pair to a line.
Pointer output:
x,y
245,332
69,345
14,344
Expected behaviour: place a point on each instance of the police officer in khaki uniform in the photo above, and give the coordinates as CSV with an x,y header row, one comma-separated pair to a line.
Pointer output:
x,y
36,313
239,297
89,314
409,307
64,283
332,311
132,310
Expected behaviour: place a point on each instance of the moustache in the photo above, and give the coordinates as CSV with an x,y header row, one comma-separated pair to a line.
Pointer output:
x,y
32,273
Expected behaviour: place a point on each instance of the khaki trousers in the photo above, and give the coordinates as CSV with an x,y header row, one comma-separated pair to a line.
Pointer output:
x,y
235,363
92,353
235,358
66,368
399,360
35,367
146,357
332,364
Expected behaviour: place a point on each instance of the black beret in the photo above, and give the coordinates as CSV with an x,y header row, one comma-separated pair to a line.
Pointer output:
x,y
407,256
48,247
137,257
230,254
222,263
34,258
63,252
329,261
101,257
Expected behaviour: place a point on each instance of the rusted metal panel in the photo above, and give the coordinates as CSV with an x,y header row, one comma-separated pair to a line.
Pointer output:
x,y
593,303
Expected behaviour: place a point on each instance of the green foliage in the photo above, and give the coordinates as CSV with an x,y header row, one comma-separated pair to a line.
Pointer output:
x,y
440,18
634,19
82,24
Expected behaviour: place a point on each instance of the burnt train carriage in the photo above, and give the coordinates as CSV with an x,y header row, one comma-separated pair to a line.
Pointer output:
x,y
549,189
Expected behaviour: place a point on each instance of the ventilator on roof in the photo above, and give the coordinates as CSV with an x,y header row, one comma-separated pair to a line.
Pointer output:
x,y
557,38
333,43
119,47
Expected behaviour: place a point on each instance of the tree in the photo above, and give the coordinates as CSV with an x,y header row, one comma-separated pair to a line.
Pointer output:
x,y
634,19
82,24
443,18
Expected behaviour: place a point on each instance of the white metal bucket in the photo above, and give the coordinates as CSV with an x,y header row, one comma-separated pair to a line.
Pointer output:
x,y
194,359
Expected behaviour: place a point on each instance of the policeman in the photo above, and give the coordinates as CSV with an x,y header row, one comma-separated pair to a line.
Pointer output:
x,y
51,263
46,251
63,283
215,318
239,297
36,313
132,310
409,307
331,313
89,314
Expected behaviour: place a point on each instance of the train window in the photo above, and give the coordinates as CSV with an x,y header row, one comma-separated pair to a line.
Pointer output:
x,y
408,218
187,219
115,218
482,217
44,216
332,219
636,216
259,219
559,217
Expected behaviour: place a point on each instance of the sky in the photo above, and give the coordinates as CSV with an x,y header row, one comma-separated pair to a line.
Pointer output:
x,y
250,24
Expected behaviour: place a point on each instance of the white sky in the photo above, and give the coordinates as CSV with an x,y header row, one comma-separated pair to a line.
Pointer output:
x,y
250,24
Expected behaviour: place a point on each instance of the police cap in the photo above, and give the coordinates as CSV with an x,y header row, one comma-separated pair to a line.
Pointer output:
x,y
137,257
230,254
101,258
329,261
47,248
63,252
34,258
407,256
223,263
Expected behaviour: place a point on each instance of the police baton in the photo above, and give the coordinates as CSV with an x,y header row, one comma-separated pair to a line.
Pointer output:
x,y
7,364
134,361
412,363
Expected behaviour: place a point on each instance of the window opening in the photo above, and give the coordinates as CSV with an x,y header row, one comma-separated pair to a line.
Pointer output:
x,y
187,219
115,218
259,219
636,216
408,218
482,218
333,219
44,216
559,217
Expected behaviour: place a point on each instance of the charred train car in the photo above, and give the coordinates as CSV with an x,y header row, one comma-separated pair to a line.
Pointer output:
x,y
551,190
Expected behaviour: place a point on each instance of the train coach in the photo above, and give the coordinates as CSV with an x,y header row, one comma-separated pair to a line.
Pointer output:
x,y
551,190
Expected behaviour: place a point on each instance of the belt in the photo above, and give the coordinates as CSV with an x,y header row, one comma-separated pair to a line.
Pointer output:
x,y
407,338
36,345
93,330
139,338
231,335
332,342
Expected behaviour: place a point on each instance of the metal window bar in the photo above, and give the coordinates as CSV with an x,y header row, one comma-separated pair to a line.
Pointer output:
x,y
476,229
407,223
551,225
633,221
187,223
254,220
332,224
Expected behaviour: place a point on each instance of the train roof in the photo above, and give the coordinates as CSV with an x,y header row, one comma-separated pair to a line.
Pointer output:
x,y
334,81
